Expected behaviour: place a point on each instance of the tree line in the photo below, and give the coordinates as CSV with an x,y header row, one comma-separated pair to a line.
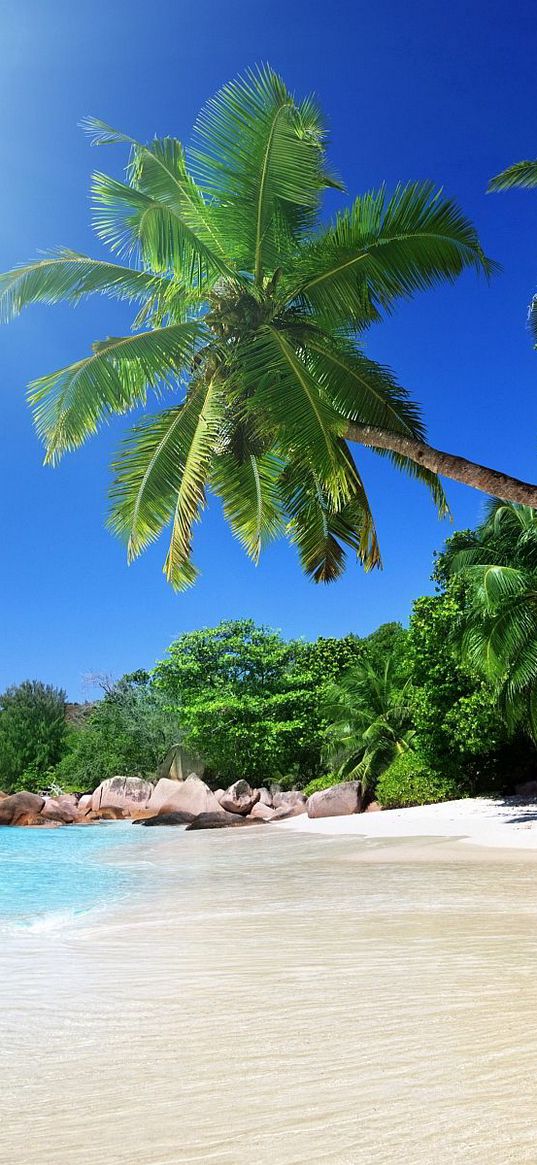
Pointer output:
x,y
443,708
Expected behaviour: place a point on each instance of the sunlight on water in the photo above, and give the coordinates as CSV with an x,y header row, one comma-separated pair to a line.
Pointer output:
x,y
265,1000
50,874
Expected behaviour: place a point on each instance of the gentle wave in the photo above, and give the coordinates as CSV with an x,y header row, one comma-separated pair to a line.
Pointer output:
x,y
268,1001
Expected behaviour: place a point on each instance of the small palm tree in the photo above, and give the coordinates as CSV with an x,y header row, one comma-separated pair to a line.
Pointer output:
x,y
498,630
371,721
250,311
522,175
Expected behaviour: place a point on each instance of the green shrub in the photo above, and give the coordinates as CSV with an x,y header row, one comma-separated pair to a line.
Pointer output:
x,y
319,783
408,781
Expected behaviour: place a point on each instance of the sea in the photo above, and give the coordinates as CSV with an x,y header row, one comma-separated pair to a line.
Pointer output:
x,y
50,878
264,997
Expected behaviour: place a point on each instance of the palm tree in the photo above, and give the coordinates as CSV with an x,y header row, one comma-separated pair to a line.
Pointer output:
x,y
498,630
370,718
251,312
522,175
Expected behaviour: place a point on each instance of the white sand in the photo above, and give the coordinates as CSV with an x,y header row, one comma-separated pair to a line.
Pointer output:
x,y
261,1002
479,820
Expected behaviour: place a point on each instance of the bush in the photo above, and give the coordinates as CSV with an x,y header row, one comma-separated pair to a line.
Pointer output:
x,y
128,732
320,783
32,733
247,701
409,781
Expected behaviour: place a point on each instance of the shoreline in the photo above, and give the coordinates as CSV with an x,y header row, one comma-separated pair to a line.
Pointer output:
x,y
474,826
272,960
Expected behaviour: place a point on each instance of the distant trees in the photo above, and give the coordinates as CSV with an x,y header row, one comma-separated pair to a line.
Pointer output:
x,y
445,708
496,632
459,731
128,732
32,733
370,719
246,699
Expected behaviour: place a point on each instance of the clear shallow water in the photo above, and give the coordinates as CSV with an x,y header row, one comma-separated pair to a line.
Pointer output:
x,y
48,876
266,1000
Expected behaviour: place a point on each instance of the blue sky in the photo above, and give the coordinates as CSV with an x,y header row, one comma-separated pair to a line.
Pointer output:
x,y
410,91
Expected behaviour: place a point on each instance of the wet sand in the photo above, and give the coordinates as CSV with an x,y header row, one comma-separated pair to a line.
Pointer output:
x,y
281,999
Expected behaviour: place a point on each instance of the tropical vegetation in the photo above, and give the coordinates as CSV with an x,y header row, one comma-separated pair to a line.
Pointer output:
x,y
249,317
497,629
130,730
521,175
32,733
444,708
369,713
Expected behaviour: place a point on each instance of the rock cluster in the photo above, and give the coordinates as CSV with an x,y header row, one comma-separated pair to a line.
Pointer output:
x,y
190,802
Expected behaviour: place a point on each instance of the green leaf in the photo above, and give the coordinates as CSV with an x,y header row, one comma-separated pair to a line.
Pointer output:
x,y
161,476
381,249
260,156
69,404
159,233
159,169
70,276
289,406
250,492
360,389
321,530
521,174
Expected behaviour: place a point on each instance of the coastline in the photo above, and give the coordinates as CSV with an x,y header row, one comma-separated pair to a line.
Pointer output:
x,y
235,1011
473,826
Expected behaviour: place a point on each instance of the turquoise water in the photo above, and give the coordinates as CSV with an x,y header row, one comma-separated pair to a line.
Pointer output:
x,y
47,874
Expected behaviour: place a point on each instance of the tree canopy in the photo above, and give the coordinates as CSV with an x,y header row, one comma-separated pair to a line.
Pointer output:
x,y
32,732
250,309
247,700
497,629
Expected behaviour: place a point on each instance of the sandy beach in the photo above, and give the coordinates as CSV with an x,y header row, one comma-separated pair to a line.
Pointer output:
x,y
262,998
463,826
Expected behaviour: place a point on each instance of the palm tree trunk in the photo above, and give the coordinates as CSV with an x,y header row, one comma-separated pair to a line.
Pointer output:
x,y
490,481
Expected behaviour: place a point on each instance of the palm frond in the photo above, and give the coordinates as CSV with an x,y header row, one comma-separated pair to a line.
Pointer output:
x,y
249,489
371,721
532,320
362,390
383,249
157,233
260,157
69,404
430,480
521,174
320,530
191,494
159,169
161,476
285,398
70,276
500,583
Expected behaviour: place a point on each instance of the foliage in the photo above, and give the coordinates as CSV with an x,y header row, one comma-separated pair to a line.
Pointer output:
x,y
409,781
32,731
129,732
522,175
248,307
320,783
246,700
386,642
328,658
497,631
370,719
458,725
